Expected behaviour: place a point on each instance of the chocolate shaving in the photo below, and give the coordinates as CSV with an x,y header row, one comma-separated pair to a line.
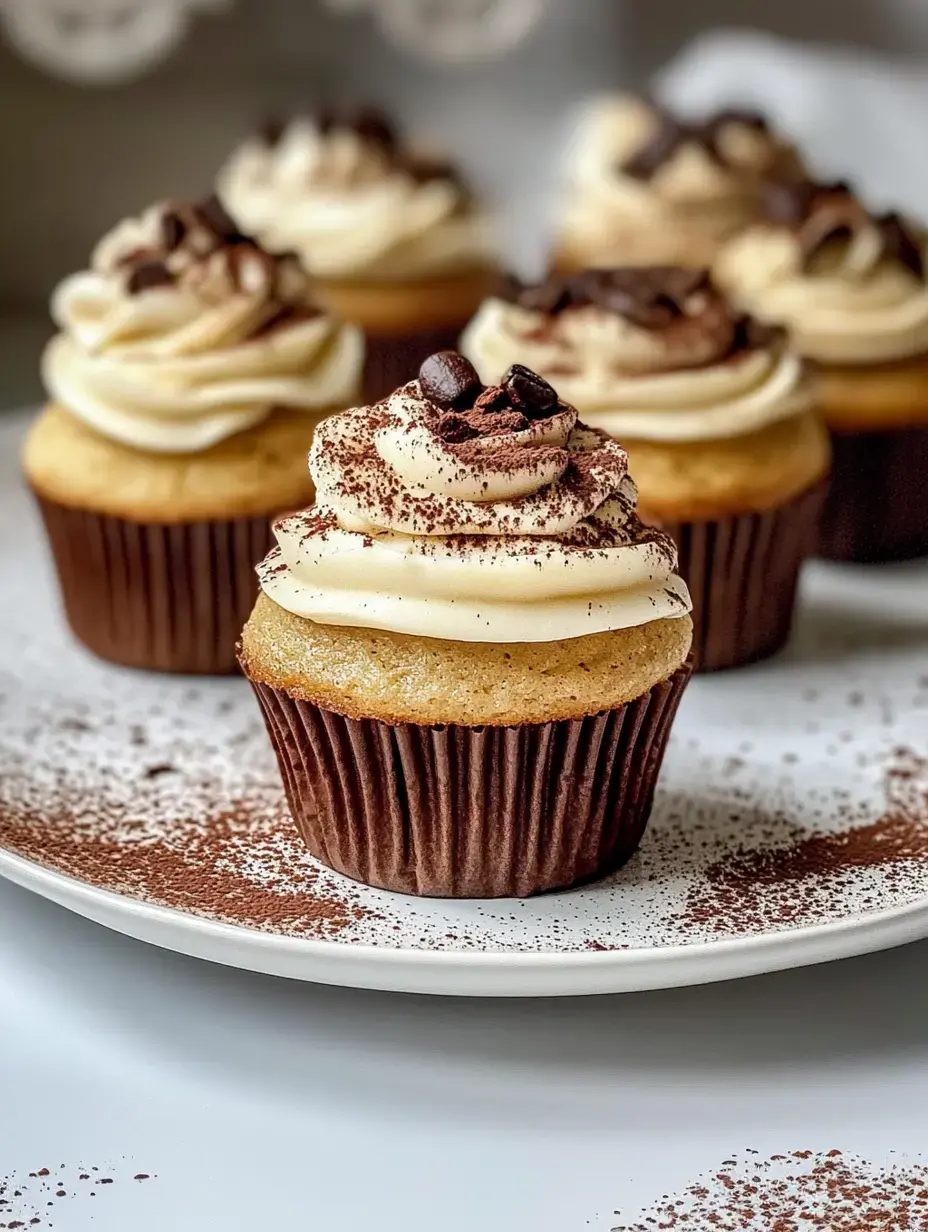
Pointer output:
x,y
649,296
193,233
754,335
271,130
899,244
375,128
148,274
828,214
214,216
173,230
673,133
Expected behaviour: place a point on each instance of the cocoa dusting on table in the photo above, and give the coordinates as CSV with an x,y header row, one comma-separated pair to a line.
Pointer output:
x,y
34,1202
799,1191
794,883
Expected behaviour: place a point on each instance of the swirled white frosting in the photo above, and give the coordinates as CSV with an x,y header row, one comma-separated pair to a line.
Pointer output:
x,y
525,536
851,305
681,212
630,382
221,336
349,209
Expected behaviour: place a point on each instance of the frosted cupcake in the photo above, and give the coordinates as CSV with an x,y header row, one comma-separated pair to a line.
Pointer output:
x,y
645,187
716,414
189,372
393,237
470,650
852,290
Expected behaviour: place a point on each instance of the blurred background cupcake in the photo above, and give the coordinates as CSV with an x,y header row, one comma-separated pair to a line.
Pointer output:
x,y
189,372
850,286
716,414
470,651
392,234
646,187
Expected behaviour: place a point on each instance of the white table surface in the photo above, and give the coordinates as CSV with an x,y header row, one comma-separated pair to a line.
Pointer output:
x,y
262,1104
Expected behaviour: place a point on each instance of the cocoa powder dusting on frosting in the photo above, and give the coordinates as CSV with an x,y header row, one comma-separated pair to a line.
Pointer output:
x,y
816,1191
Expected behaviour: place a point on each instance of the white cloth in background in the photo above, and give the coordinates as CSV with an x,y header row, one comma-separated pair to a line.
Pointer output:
x,y
857,116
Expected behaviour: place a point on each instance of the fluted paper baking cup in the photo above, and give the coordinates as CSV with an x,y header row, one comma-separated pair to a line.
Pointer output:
x,y
390,362
877,508
169,598
743,574
472,812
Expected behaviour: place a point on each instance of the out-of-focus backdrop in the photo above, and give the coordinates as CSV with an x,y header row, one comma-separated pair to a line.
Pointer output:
x,y
74,158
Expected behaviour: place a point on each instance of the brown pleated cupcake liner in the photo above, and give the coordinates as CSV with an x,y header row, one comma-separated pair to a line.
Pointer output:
x,y
472,812
877,508
390,362
169,598
743,574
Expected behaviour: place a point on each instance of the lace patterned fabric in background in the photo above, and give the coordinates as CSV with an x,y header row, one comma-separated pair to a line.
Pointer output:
x,y
105,42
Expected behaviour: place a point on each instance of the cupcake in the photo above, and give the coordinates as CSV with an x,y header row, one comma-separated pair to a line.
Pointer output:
x,y
393,236
190,369
648,188
716,414
850,287
470,650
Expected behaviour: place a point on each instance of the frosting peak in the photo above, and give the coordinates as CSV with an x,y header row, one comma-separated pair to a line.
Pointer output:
x,y
848,284
524,531
353,199
184,331
651,353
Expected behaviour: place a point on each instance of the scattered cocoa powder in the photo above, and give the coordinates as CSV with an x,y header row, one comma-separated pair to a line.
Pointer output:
x,y
240,860
796,882
799,1191
32,1202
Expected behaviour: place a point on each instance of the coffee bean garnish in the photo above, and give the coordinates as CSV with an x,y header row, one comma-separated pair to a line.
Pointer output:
x,y
449,380
147,275
529,392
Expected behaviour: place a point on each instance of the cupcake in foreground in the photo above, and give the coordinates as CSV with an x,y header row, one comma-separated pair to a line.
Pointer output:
x,y
852,289
393,237
716,414
645,187
188,374
469,652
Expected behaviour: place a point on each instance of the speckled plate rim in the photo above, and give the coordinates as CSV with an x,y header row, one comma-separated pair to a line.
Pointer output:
x,y
472,974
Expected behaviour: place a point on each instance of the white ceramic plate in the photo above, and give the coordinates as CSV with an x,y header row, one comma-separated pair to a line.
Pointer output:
x,y
791,824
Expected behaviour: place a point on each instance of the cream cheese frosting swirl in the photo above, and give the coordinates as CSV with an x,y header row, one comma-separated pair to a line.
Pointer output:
x,y
471,514
352,202
849,286
184,332
676,188
653,354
